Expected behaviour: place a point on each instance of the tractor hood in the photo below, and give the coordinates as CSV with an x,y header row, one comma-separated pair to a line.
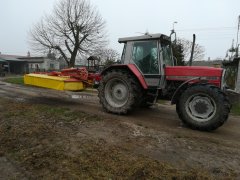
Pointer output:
x,y
183,73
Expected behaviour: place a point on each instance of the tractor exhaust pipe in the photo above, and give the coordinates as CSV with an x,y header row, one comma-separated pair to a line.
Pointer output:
x,y
193,45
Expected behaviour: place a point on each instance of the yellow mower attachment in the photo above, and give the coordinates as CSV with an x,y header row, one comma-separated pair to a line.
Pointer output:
x,y
54,82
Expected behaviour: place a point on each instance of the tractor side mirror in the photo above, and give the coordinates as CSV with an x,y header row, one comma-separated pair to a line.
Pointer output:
x,y
173,37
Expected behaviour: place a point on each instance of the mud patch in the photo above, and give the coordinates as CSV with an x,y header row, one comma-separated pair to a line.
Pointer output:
x,y
9,170
55,141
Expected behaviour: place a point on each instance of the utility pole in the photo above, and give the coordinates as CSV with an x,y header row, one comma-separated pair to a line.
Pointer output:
x,y
238,29
237,82
237,45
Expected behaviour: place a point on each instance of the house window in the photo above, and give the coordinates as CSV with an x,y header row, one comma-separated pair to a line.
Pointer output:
x,y
37,66
51,66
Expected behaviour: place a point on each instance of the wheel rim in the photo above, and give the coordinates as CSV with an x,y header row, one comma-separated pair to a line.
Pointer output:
x,y
201,107
116,92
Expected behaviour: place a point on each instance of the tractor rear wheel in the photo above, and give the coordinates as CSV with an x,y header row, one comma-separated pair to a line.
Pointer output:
x,y
203,107
119,92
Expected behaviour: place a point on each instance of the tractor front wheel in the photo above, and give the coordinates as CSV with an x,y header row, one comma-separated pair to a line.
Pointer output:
x,y
203,107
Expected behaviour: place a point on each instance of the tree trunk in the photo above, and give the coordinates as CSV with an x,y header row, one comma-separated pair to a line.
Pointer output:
x,y
73,58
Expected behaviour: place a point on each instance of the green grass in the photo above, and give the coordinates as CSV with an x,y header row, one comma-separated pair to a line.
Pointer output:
x,y
15,80
236,109
161,101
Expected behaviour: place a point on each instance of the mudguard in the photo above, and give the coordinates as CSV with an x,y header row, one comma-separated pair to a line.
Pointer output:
x,y
181,87
132,69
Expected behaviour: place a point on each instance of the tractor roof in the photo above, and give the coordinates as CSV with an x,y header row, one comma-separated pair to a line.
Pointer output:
x,y
144,37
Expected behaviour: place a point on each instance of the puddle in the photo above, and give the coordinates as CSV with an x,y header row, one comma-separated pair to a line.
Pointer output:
x,y
20,99
82,97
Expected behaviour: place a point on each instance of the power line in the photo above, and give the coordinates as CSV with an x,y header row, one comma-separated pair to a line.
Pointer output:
x,y
211,34
209,29
213,38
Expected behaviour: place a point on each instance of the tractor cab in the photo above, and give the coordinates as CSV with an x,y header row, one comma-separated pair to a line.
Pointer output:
x,y
151,53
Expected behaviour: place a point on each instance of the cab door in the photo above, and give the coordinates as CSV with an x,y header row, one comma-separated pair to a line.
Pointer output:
x,y
145,55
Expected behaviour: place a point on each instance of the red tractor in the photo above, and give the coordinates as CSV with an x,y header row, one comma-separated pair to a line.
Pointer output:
x,y
147,73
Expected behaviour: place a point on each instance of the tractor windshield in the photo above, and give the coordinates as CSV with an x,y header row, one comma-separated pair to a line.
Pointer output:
x,y
167,54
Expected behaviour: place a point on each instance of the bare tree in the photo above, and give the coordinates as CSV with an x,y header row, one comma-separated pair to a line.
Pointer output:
x,y
108,55
74,28
187,47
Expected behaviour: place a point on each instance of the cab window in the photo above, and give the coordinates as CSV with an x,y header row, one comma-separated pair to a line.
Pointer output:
x,y
167,54
123,54
145,56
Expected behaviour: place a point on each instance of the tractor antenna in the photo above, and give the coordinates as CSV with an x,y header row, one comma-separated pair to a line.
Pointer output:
x,y
147,33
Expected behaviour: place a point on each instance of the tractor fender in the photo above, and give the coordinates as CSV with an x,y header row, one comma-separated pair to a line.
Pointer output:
x,y
182,87
132,69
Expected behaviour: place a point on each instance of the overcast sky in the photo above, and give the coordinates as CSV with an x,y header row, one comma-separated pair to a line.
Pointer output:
x,y
213,21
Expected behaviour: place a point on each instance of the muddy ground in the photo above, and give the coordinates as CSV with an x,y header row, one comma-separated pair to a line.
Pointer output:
x,y
46,134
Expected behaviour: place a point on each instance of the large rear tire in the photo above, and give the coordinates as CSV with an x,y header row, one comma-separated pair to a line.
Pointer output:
x,y
119,92
203,107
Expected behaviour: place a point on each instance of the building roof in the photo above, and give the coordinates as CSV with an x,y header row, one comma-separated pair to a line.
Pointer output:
x,y
33,59
11,56
16,58
1,60
6,57
93,58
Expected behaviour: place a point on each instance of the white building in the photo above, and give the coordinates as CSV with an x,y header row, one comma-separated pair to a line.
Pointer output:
x,y
41,64
26,64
